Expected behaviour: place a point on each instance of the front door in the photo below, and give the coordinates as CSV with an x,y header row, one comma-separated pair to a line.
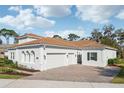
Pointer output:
x,y
79,59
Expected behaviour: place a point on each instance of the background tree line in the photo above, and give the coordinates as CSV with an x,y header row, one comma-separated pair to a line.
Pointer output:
x,y
107,35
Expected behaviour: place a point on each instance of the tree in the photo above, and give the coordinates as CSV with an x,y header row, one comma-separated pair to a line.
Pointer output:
x,y
108,30
120,36
0,38
107,41
57,36
120,39
1,41
111,37
83,38
73,37
64,39
7,34
96,35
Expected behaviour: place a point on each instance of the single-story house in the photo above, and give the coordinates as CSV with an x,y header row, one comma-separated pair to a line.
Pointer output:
x,y
42,53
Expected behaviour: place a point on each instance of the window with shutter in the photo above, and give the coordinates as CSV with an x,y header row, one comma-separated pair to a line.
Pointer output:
x,y
92,56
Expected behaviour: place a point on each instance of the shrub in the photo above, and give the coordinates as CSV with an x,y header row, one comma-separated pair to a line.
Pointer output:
x,y
112,61
2,62
7,70
7,62
120,61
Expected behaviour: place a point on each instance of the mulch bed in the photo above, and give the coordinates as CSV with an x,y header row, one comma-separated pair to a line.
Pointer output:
x,y
14,73
26,69
114,65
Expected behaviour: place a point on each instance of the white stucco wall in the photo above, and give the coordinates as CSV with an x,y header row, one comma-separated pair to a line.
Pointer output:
x,y
40,62
47,57
29,64
6,53
27,39
107,54
102,57
99,61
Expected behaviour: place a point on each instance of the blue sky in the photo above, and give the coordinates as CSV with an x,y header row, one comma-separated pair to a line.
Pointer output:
x,y
61,20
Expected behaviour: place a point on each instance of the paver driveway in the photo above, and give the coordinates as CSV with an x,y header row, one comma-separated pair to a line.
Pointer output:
x,y
77,73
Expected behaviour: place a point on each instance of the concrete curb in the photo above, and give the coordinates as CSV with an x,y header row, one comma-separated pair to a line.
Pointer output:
x,y
10,83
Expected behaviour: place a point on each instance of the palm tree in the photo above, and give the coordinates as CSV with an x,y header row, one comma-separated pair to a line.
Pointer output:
x,y
7,34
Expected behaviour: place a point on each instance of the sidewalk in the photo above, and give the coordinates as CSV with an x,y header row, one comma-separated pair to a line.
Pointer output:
x,y
11,83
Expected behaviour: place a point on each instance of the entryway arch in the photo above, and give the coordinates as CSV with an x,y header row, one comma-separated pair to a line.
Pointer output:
x,y
32,56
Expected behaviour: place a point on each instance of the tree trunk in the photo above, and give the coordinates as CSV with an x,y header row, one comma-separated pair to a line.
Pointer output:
x,y
7,40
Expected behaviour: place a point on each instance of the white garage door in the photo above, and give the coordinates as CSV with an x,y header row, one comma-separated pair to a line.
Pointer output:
x,y
55,60
71,58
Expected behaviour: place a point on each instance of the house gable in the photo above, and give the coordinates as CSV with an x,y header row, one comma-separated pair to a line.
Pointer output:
x,y
27,38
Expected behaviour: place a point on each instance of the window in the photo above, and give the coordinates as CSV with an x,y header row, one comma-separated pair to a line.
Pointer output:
x,y
92,56
23,56
44,47
13,55
44,57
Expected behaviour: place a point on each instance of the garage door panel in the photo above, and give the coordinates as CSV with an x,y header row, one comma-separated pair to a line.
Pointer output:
x,y
55,60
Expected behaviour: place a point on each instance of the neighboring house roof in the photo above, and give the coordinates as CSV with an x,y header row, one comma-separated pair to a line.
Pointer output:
x,y
85,44
3,47
29,35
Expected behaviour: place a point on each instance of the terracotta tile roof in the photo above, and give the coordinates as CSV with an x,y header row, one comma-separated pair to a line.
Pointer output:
x,y
76,44
83,43
51,41
29,35
90,44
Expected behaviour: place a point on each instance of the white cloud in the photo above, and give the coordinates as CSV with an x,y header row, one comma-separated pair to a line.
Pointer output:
x,y
64,33
53,10
15,8
97,14
50,33
120,15
26,19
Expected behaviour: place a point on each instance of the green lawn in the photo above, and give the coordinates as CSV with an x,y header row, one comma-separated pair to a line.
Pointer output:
x,y
6,76
120,77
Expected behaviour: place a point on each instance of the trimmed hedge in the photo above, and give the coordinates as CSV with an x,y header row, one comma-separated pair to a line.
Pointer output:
x,y
115,61
112,61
